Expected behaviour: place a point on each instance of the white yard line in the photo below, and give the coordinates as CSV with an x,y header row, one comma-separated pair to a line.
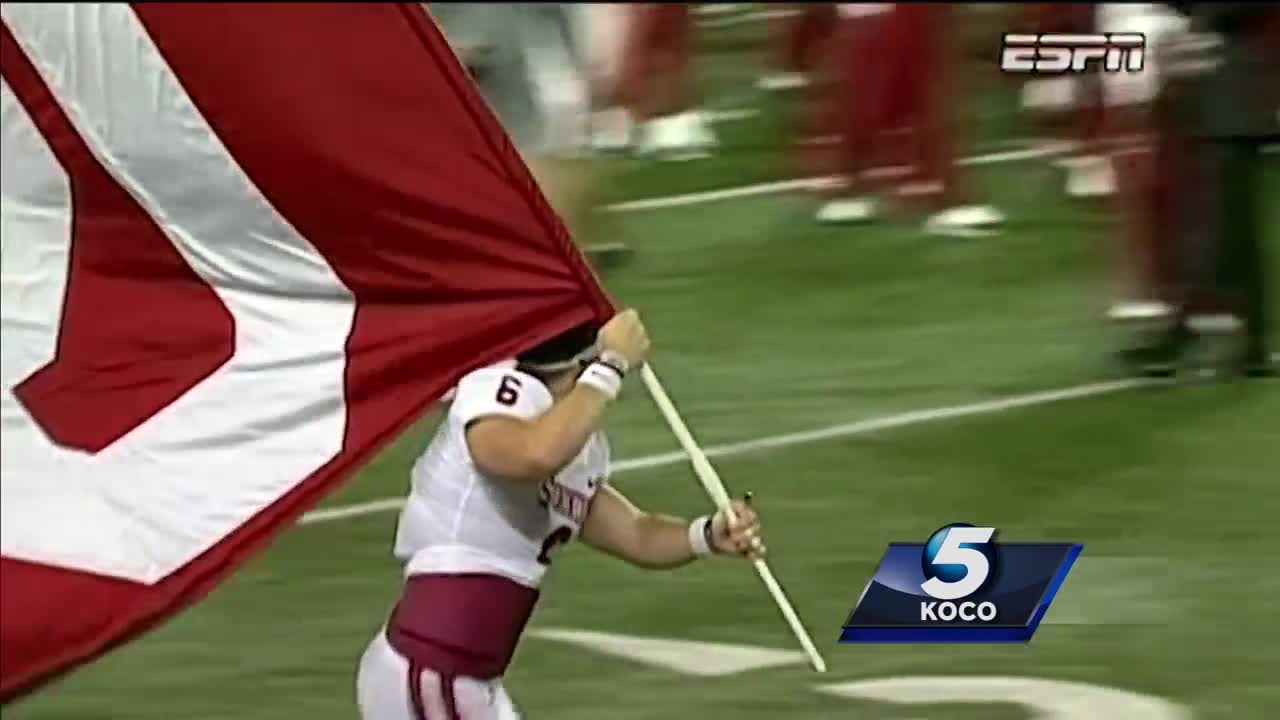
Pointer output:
x,y
858,427
814,183
768,442
706,196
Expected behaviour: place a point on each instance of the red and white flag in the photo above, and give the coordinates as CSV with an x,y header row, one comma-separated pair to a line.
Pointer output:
x,y
243,246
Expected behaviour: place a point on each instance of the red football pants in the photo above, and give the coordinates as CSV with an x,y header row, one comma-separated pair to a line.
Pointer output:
x,y
895,72
656,75
799,39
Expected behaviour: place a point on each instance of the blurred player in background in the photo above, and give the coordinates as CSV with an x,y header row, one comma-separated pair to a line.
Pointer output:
x,y
531,63
1221,93
1070,106
659,84
895,69
605,27
1130,143
518,467
799,43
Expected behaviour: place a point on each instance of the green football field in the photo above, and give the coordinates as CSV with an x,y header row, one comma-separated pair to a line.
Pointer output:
x,y
869,385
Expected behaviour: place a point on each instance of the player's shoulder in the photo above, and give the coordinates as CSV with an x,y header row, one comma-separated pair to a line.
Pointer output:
x,y
499,389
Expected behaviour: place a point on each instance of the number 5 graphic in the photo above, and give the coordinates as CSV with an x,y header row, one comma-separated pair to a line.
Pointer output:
x,y
976,566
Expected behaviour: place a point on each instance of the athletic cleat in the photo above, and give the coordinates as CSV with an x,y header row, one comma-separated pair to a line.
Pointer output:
x,y
612,130
964,220
1126,310
782,81
847,210
700,129
683,136
1090,176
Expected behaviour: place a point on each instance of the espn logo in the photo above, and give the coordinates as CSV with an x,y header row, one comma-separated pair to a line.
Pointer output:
x,y
1061,53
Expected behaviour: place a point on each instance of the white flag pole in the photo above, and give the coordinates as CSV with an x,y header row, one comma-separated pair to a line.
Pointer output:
x,y
714,486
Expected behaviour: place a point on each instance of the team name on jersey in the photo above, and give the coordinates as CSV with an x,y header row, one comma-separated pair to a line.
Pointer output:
x,y
565,500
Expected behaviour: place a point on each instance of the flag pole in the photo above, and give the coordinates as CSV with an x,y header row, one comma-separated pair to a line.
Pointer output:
x,y
714,486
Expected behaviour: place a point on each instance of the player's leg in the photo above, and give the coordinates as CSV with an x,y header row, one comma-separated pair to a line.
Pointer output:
x,y
559,83
1138,290
474,699
797,40
382,683
933,82
1144,251
606,29
389,687
664,89
861,83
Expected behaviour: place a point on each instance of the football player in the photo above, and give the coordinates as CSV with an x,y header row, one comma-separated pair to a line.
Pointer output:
x,y
518,467
532,64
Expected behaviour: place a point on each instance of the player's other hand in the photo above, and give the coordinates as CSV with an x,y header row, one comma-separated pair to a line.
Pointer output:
x,y
741,537
625,334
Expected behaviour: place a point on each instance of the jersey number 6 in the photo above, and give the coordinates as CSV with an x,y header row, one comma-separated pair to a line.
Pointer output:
x,y
509,390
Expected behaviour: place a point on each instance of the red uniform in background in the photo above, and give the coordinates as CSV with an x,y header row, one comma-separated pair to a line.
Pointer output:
x,y
656,77
803,36
799,44
657,83
1148,161
895,86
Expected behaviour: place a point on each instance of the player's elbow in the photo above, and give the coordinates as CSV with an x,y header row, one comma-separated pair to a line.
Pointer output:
x,y
512,454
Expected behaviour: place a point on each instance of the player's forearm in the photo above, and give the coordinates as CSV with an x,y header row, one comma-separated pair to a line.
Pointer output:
x,y
658,542
649,540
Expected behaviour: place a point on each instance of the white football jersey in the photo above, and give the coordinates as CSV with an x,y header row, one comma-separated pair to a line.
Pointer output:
x,y
459,520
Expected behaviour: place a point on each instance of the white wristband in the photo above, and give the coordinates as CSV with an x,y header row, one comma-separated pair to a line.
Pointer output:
x,y
602,377
615,360
698,535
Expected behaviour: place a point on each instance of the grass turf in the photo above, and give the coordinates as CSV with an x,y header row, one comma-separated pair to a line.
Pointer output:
x,y
765,323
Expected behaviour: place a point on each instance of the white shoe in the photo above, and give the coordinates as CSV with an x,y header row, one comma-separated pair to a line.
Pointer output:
x,y
1126,310
611,130
653,136
782,81
1091,176
965,221
848,210
684,136
700,128
968,217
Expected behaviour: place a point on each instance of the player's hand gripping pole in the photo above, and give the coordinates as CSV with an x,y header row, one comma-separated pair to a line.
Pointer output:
x,y
714,486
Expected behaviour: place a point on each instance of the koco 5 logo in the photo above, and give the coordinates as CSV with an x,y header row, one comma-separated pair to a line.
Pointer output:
x,y
958,560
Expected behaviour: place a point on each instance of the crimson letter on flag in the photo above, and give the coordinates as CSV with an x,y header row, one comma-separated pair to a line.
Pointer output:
x,y
243,246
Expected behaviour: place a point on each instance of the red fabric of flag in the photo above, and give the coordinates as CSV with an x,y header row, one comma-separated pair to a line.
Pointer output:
x,y
244,246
